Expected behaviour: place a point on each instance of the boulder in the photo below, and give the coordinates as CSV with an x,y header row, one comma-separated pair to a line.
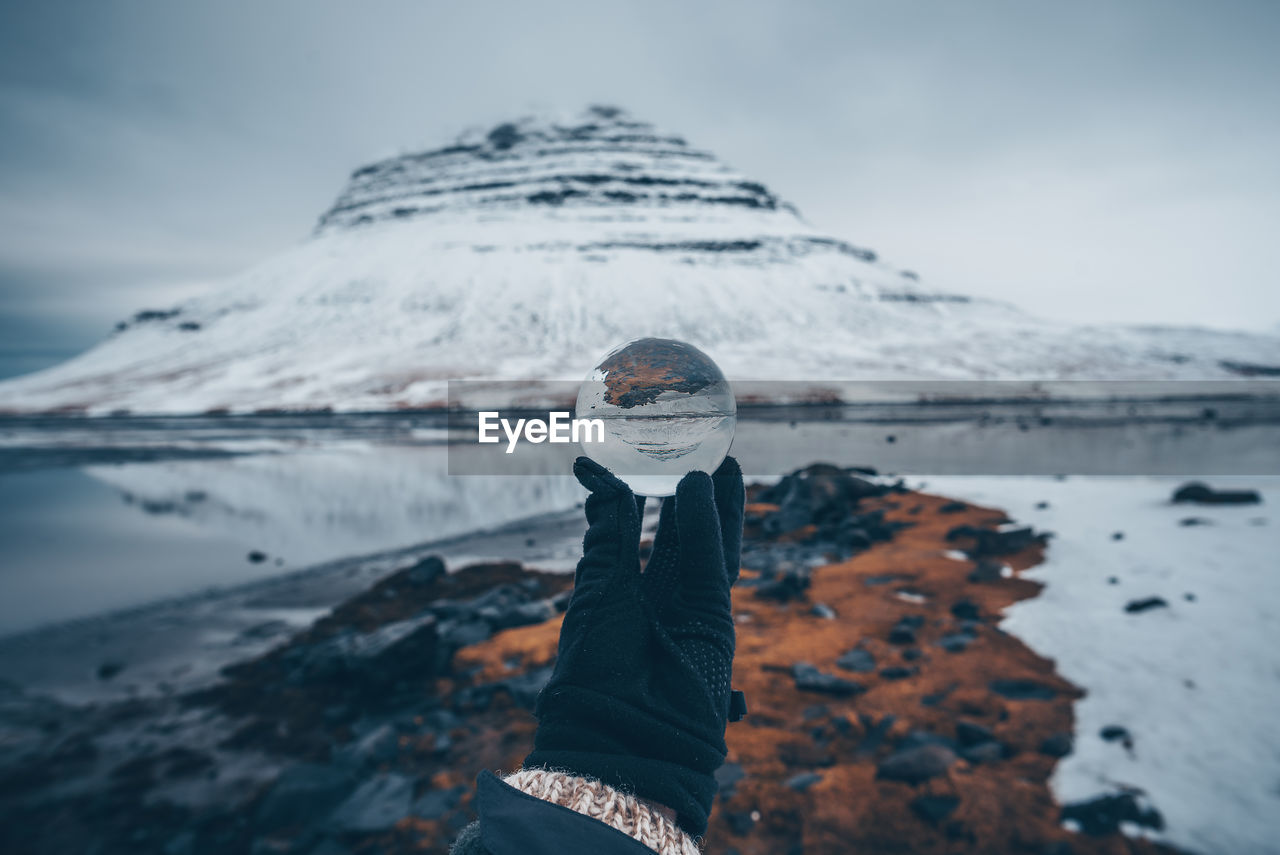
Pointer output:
x,y
376,805
916,765
1202,494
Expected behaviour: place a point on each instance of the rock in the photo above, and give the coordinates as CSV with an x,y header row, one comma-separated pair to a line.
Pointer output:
x,y
823,611
904,631
969,733
1117,535
987,541
916,765
816,494
377,804
727,778
740,822
934,809
1202,494
986,571
952,508
256,557
897,672
1059,744
911,654
986,752
460,633
1188,522
955,642
810,679
519,614
1189,597
434,804
966,609
426,571
377,746
857,660
1113,580
1041,506
1117,733
783,589
1104,814
1023,690
1134,607
302,794
525,688
803,781
376,658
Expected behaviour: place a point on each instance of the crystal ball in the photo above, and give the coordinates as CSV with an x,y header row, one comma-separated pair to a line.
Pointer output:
x,y
666,408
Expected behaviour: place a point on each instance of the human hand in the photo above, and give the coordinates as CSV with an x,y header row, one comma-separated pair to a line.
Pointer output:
x,y
640,695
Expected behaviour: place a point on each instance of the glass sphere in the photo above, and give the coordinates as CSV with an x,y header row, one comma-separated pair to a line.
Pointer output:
x,y
667,410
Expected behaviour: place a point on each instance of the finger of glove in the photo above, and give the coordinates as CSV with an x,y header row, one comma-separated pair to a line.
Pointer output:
x,y
703,581
730,496
661,572
611,546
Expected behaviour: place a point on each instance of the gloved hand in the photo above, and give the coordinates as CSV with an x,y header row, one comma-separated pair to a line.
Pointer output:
x,y
641,693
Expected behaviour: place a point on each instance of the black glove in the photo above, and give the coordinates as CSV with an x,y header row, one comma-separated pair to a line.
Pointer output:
x,y
640,694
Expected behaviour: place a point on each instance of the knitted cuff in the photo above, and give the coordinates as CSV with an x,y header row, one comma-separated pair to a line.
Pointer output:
x,y
616,809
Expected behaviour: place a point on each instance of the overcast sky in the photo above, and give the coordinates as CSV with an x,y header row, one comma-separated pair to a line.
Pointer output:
x,y
1101,161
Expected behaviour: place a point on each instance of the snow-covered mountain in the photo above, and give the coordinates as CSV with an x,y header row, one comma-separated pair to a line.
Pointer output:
x,y
529,249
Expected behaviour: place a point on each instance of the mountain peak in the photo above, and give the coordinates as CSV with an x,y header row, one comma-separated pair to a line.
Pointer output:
x,y
600,158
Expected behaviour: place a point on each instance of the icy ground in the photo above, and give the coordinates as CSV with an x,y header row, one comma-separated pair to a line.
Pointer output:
x,y
1196,683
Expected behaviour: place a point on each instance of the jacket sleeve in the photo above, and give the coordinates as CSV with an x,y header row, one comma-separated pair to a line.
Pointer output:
x,y
536,812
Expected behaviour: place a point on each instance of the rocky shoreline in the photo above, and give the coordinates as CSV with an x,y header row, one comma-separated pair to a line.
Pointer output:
x,y
888,710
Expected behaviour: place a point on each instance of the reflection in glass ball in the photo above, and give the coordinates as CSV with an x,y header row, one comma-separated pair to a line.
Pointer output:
x,y
667,410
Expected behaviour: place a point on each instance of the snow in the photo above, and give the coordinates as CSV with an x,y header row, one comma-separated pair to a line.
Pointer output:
x,y
527,251
1196,683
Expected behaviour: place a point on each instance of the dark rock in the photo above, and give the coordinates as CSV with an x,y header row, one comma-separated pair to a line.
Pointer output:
x,y
785,588
256,557
803,781
916,765
1134,607
1188,522
815,712
740,822
817,494
897,672
380,657
1203,494
916,738
952,508
727,778
1113,580
955,642
934,809
911,654
1040,506
987,541
519,614
969,733
823,611
903,632
1023,690
986,752
1059,744
1117,535
857,660
377,804
986,571
1104,814
426,571
810,679
434,804
1117,733
460,633
302,794
966,610
377,746
1189,597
